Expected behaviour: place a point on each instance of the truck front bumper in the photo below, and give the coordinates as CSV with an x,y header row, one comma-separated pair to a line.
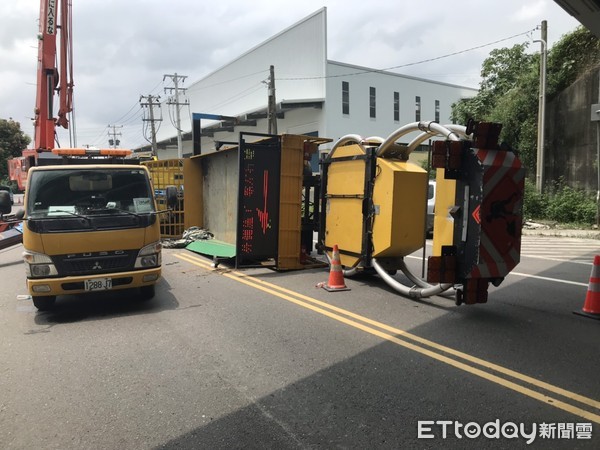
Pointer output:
x,y
77,284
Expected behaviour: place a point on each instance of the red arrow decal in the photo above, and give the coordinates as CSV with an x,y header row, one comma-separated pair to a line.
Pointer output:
x,y
476,215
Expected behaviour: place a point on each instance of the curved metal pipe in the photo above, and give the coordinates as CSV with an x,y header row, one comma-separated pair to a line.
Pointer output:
x,y
422,283
350,272
375,139
428,127
347,139
392,138
460,130
412,292
412,277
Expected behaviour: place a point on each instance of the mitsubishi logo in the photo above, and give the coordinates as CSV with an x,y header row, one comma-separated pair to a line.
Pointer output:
x,y
97,266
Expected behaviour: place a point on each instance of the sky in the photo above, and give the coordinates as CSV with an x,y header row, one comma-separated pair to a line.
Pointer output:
x,y
123,49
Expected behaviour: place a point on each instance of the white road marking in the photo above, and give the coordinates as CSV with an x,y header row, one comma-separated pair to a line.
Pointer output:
x,y
564,250
556,280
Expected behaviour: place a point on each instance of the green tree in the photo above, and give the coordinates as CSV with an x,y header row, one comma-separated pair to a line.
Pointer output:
x,y
502,70
508,94
500,74
572,55
509,90
516,109
12,142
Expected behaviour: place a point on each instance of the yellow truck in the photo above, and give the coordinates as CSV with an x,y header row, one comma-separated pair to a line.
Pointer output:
x,y
90,228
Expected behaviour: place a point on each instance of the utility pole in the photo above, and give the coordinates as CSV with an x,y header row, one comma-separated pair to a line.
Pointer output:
x,y
174,100
113,141
149,102
539,181
271,105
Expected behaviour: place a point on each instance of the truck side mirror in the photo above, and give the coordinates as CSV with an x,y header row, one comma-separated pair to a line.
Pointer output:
x,y
171,197
5,203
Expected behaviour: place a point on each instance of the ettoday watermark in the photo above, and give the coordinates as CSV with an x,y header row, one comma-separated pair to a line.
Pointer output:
x,y
444,429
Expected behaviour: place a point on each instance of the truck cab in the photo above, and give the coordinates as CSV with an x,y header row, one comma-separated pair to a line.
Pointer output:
x,y
90,228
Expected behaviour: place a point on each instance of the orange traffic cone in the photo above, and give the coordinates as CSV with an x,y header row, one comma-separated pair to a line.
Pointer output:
x,y
336,276
591,307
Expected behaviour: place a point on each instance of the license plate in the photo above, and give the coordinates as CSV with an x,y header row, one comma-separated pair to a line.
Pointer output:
x,y
98,284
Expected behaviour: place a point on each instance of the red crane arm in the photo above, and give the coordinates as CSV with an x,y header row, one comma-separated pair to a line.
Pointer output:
x,y
48,80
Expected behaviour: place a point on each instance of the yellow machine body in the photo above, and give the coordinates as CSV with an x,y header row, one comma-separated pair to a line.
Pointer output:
x,y
400,203
375,207
443,222
344,208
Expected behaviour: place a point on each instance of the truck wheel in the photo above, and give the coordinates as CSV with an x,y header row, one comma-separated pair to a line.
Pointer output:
x,y
43,302
147,292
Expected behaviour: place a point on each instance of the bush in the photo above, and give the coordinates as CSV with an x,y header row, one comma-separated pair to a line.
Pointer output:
x,y
568,205
534,203
561,203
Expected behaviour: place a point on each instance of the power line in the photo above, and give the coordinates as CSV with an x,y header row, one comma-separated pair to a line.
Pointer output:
x,y
196,87
127,113
122,118
135,118
412,63
245,93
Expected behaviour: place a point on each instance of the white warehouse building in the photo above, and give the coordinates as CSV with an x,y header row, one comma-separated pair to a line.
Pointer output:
x,y
314,95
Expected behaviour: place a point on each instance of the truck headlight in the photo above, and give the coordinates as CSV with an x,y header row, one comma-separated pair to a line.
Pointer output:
x,y
149,256
38,265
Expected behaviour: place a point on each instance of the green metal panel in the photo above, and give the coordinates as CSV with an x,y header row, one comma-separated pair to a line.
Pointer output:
x,y
212,247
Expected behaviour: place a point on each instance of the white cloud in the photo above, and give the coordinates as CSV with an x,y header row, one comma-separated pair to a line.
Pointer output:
x,y
529,11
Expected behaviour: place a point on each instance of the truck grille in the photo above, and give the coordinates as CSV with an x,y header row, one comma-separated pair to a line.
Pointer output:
x,y
94,263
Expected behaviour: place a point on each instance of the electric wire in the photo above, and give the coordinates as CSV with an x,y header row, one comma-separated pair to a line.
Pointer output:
x,y
129,117
196,87
367,70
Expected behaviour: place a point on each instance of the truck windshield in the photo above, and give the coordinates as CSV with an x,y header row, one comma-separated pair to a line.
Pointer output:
x,y
89,192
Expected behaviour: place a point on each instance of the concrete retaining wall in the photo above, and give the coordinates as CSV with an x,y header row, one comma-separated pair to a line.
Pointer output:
x,y
571,141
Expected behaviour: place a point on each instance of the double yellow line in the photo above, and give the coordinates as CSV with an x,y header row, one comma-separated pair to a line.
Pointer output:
x,y
476,366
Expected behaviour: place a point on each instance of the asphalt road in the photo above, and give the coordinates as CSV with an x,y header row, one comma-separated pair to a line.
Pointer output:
x,y
258,359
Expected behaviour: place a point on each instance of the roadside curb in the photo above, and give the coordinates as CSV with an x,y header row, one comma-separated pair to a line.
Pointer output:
x,y
582,234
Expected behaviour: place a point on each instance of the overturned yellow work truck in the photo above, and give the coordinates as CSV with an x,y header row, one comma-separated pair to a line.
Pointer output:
x,y
369,201
253,199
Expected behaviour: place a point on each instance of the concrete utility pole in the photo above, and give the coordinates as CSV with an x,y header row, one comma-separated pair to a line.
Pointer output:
x,y
539,181
174,100
113,141
150,103
272,104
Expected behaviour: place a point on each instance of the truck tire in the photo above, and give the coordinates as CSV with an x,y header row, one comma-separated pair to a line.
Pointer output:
x,y
147,292
43,302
